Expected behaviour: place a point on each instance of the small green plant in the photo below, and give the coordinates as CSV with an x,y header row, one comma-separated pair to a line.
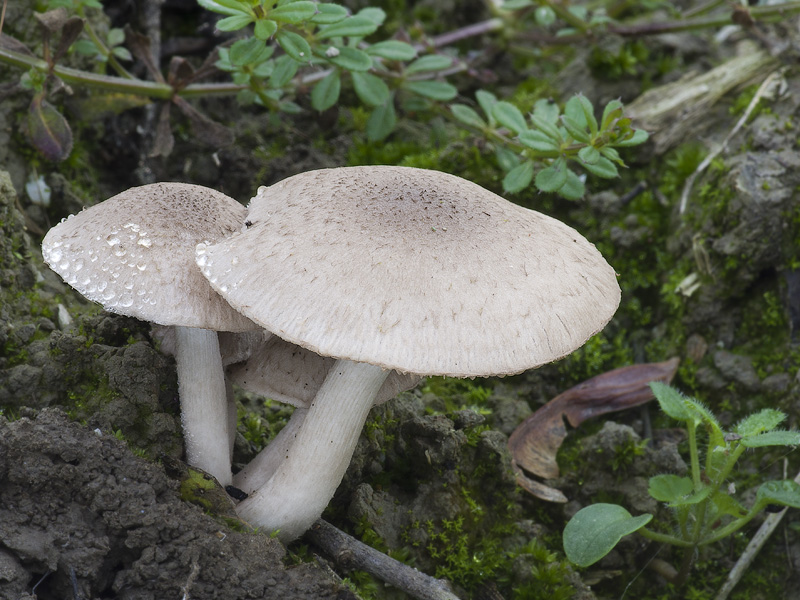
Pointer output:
x,y
703,506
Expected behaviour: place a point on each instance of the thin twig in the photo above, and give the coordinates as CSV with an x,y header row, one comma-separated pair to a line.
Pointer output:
x,y
350,553
687,188
752,550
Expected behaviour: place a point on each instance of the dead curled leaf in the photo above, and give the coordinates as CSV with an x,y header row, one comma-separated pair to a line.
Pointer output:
x,y
535,443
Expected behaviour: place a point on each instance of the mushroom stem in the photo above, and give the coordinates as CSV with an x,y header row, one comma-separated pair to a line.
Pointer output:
x,y
298,492
263,466
204,406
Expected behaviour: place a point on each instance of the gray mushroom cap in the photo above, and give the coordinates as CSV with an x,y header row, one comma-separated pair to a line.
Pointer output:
x,y
293,375
134,254
413,270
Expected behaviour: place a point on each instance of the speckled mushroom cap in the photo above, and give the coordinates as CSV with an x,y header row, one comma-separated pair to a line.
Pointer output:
x,y
291,374
413,270
134,254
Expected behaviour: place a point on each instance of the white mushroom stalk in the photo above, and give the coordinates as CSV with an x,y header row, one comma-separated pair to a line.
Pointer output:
x,y
259,470
204,405
303,484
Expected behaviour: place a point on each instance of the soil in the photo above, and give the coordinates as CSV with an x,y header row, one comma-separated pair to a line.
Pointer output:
x,y
92,504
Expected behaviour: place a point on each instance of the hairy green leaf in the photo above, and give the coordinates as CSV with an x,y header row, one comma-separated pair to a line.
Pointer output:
x,y
772,438
249,51
764,420
224,7
486,100
670,488
785,493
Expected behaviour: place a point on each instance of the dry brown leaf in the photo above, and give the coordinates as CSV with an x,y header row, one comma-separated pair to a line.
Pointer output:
x,y
535,443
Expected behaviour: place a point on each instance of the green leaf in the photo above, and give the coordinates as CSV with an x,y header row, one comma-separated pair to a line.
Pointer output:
x,y
672,402
486,100
224,7
357,26
612,155
639,137
772,438
546,127
234,23
669,488
509,116
265,29
467,115
589,154
436,90
538,140
294,45
595,530
695,498
115,36
785,493
372,90
576,130
602,168
329,13
249,51
285,69
518,178
392,50
553,177
294,12
351,59
611,112
580,110
546,110
121,53
382,121
516,4
726,505
326,92
431,62
764,420
573,189
506,159
376,15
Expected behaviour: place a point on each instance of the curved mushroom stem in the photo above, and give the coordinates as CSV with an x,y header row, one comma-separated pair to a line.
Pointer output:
x,y
204,406
263,466
298,492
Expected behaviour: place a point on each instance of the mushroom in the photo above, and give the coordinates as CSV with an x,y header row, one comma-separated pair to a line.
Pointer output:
x,y
290,374
398,268
134,254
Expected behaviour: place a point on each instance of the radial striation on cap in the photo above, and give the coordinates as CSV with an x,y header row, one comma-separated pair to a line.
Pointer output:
x,y
414,270
134,254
